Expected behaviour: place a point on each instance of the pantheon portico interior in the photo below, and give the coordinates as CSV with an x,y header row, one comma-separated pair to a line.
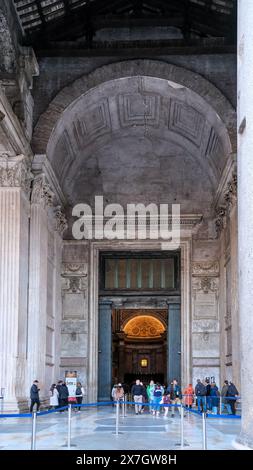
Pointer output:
x,y
135,103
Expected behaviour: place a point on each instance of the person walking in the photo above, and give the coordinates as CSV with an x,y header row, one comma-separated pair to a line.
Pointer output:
x,y
34,395
137,392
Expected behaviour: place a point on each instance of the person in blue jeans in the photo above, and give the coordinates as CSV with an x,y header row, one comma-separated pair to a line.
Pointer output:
x,y
157,398
200,392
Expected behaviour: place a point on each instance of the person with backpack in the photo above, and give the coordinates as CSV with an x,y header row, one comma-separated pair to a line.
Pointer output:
x,y
157,398
232,395
200,392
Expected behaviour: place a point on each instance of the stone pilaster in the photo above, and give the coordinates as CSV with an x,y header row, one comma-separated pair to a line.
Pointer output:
x,y
15,180
41,199
46,228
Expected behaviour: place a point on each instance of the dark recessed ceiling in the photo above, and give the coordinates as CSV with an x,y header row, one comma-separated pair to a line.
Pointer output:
x,y
69,20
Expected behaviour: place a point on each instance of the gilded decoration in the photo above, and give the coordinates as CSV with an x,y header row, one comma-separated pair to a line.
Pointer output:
x,y
144,326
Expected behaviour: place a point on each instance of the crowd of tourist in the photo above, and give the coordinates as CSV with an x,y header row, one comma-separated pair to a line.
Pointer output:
x,y
206,396
59,395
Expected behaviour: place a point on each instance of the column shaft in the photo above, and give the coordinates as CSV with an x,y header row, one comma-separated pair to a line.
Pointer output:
x,y
245,213
13,293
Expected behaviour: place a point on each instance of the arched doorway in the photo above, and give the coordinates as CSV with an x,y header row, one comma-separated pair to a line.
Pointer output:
x,y
140,347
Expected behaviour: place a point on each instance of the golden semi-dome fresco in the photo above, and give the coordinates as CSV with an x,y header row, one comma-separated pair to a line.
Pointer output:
x,y
144,326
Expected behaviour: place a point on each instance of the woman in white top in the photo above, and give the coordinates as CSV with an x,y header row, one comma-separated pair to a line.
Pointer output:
x,y
54,400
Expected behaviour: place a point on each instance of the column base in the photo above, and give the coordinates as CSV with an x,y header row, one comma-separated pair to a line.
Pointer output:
x,y
243,442
10,405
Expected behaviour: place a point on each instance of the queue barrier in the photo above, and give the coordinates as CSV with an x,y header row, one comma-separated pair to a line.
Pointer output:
x,y
205,415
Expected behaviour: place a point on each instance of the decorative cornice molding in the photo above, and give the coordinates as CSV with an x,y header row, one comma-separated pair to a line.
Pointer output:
x,y
205,268
15,172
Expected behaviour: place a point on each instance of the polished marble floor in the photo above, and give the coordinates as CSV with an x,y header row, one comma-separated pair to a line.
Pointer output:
x,y
95,429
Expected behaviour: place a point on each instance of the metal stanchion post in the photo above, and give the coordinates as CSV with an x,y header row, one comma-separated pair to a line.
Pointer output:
x,y
204,430
117,418
220,404
69,426
34,421
182,426
123,407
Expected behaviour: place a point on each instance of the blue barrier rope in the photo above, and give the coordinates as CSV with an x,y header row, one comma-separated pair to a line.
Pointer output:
x,y
85,405
209,415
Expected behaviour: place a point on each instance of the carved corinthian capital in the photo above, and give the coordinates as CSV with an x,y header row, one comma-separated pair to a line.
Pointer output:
x,y
220,220
15,172
41,192
230,195
61,221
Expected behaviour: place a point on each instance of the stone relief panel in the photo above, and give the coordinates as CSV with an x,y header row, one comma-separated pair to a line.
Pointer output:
x,y
74,285
74,345
205,298
206,344
205,319
203,268
73,307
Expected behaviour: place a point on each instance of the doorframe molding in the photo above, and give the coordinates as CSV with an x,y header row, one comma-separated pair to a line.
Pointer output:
x,y
93,298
